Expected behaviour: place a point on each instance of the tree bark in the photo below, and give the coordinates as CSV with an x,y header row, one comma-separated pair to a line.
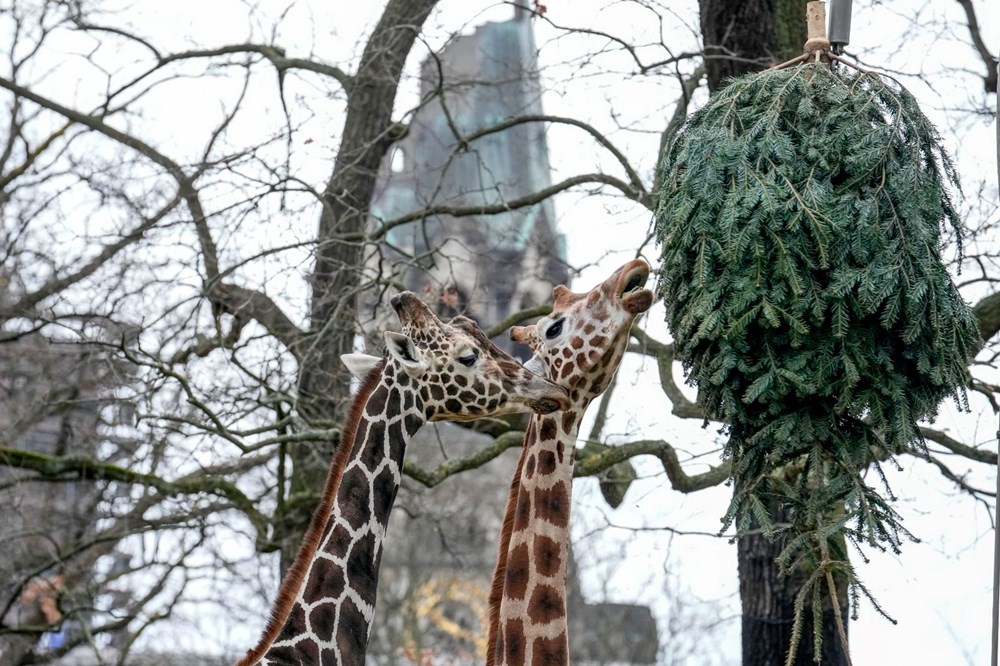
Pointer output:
x,y
768,604
742,36
368,132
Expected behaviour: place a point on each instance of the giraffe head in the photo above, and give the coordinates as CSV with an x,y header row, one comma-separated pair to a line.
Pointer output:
x,y
580,343
458,373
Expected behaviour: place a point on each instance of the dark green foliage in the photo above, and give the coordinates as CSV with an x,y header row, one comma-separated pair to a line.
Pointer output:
x,y
801,223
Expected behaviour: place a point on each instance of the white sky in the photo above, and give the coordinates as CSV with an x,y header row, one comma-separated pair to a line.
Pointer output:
x,y
938,590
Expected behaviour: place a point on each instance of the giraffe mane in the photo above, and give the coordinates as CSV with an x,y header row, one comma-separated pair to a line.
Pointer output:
x,y
293,578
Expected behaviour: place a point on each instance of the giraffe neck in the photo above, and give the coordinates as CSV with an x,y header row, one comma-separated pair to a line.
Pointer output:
x,y
528,621
327,600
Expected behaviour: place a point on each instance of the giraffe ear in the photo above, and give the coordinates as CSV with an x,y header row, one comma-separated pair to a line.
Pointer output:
x,y
519,334
360,365
405,352
526,335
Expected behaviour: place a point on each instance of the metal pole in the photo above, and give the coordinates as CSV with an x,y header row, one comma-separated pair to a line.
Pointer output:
x,y
840,25
996,502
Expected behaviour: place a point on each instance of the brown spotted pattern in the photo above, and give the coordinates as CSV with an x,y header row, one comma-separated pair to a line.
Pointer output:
x,y
579,346
433,371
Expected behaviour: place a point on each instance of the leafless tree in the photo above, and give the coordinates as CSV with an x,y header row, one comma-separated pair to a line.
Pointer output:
x,y
191,214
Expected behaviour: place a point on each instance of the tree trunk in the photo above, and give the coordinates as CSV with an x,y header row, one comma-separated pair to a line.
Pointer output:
x,y
368,132
768,604
742,36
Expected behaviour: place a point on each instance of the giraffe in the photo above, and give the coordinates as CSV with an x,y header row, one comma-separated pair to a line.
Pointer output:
x,y
431,371
579,346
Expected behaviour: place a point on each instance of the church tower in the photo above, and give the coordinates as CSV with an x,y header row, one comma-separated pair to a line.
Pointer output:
x,y
484,266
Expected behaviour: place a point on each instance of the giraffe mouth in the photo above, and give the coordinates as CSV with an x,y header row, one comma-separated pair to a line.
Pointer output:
x,y
633,295
544,397
410,309
544,406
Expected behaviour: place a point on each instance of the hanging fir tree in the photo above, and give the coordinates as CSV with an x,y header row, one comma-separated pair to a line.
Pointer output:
x,y
801,222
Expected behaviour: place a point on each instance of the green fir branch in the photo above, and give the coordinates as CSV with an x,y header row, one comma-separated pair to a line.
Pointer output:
x,y
801,218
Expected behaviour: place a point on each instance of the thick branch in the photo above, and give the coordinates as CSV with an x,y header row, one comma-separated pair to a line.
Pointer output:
x,y
431,478
589,466
976,33
680,480
58,468
274,54
987,312
964,450
253,304
616,480
51,467
958,480
517,318
664,355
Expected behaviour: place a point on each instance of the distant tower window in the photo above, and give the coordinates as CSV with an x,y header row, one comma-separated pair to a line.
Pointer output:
x,y
398,162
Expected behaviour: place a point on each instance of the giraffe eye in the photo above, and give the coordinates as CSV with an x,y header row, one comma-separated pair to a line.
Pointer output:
x,y
469,359
554,330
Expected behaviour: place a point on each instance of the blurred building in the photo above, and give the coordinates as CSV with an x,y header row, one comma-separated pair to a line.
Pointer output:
x,y
56,399
483,266
441,546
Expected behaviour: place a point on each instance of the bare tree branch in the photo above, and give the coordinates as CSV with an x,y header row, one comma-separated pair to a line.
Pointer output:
x,y
517,318
27,303
625,45
508,440
246,301
185,182
688,87
953,445
633,177
664,355
9,177
528,200
680,480
56,468
976,33
960,482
